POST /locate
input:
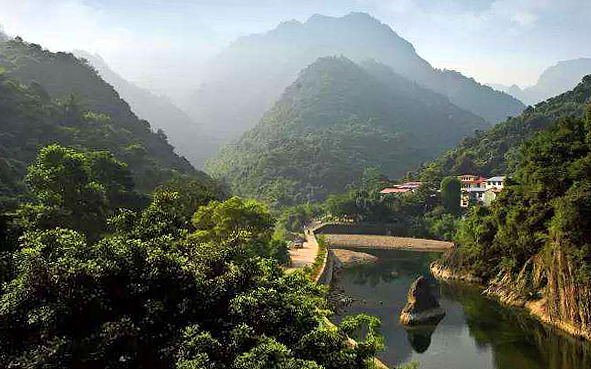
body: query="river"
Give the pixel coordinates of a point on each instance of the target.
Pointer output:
(476, 333)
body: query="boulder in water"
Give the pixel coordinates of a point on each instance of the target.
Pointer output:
(422, 306)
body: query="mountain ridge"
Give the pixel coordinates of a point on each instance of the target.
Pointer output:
(333, 121)
(495, 151)
(253, 71)
(51, 98)
(159, 110)
(560, 77)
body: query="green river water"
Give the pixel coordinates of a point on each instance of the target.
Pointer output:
(476, 333)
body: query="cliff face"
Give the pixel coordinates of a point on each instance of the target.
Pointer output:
(546, 286)
(568, 302)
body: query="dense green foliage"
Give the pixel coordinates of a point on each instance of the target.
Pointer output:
(77, 190)
(158, 291)
(245, 222)
(534, 241)
(413, 214)
(450, 195)
(546, 205)
(491, 152)
(48, 98)
(335, 120)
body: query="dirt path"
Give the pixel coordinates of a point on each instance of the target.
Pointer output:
(306, 255)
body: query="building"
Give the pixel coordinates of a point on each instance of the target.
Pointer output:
(480, 190)
(470, 181)
(496, 182)
(467, 177)
(389, 190)
(402, 188)
(472, 194)
(494, 185)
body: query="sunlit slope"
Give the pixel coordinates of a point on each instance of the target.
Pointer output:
(183, 133)
(491, 152)
(335, 120)
(51, 98)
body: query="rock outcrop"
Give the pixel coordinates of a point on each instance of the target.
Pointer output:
(422, 306)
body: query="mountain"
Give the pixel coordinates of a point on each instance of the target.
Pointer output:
(494, 151)
(335, 120)
(250, 75)
(162, 113)
(554, 80)
(49, 98)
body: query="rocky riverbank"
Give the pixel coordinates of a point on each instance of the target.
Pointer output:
(347, 258)
(504, 289)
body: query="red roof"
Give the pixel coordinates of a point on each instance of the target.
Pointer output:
(395, 190)
(413, 184)
(479, 180)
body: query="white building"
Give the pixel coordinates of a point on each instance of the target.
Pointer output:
(496, 182)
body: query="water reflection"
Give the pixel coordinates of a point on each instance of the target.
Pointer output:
(517, 340)
(477, 333)
(419, 337)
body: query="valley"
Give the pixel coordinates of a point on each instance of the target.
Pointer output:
(334, 191)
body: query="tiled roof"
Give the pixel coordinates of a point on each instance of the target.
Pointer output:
(416, 183)
(496, 179)
(395, 190)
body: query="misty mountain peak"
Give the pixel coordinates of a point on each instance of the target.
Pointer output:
(265, 64)
(359, 17)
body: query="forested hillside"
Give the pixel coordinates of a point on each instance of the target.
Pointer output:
(533, 242)
(51, 98)
(335, 120)
(265, 64)
(183, 133)
(492, 152)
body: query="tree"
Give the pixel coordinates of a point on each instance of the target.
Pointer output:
(373, 179)
(233, 219)
(61, 182)
(77, 190)
(237, 221)
(451, 195)
(192, 193)
(168, 301)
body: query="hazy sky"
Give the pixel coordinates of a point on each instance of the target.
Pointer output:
(162, 43)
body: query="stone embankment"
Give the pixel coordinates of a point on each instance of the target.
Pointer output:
(386, 242)
(505, 294)
(441, 272)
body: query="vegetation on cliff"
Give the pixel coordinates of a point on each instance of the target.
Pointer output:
(534, 240)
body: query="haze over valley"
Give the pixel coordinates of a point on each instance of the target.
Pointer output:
(352, 184)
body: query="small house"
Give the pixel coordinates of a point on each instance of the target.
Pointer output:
(496, 182)
(472, 195)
